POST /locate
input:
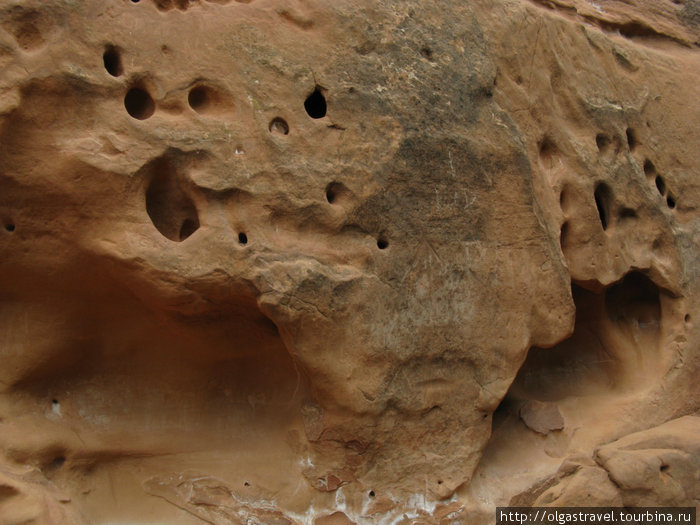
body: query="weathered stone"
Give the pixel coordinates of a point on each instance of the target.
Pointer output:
(275, 261)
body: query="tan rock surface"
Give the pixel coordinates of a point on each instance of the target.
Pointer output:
(302, 261)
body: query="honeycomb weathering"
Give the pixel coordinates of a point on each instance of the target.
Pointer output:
(347, 262)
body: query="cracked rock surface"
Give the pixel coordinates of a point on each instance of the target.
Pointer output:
(346, 262)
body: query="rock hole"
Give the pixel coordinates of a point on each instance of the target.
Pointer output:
(631, 139)
(427, 52)
(135, 1)
(663, 468)
(113, 61)
(602, 141)
(649, 168)
(246, 484)
(660, 184)
(315, 104)
(55, 407)
(371, 494)
(687, 318)
(171, 210)
(242, 238)
(139, 104)
(382, 243)
(603, 199)
(335, 191)
(10, 227)
(199, 99)
(279, 126)
(670, 202)
(439, 482)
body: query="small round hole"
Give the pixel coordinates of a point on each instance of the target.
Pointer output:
(439, 482)
(631, 138)
(427, 52)
(382, 243)
(279, 126)
(246, 484)
(242, 238)
(687, 318)
(670, 202)
(333, 191)
(135, 1)
(10, 227)
(371, 493)
(199, 98)
(113, 61)
(315, 104)
(139, 104)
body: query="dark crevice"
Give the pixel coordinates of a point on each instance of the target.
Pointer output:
(660, 184)
(603, 201)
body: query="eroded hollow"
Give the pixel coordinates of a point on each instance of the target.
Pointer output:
(113, 61)
(168, 204)
(315, 104)
(614, 346)
(649, 168)
(206, 99)
(603, 201)
(139, 103)
(279, 126)
(336, 191)
(602, 142)
(634, 301)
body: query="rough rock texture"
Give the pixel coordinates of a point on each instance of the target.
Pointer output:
(346, 262)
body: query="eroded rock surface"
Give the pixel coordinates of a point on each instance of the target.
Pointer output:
(346, 262)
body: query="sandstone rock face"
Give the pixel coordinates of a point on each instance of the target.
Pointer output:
(346, 262)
